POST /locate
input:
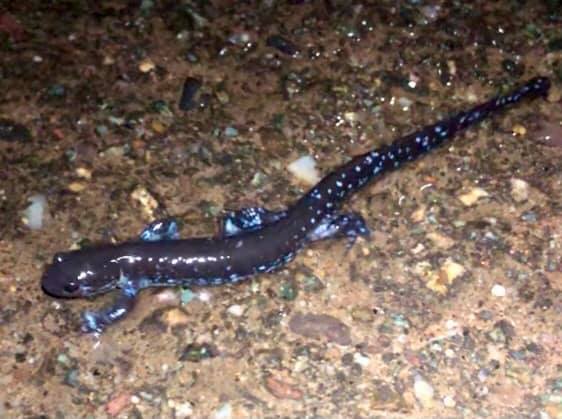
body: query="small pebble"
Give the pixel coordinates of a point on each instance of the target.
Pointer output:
(304, 169)
(361, 359)
(223, 412)
(101, 130)
(320, 326)
(351, 116)
(449, 401)
(431, 12)
(147, 201)
(230, 132)
(519, 129)
(235, 310)
(519, 190)
(529, 216)
(146, 65)
(76, 187)
(115, 152)
(189, 92)
(452, 324)
(84, 173)
(362, 314)
(440, 280)
(183, 410)
(158, 127)
(34, 213)
(498, 290)
(417, 249)
(176, 317)
(204, 296)
(281, 389)
(186, 295)
(472, 196)
(404, 103)
(423, 391)
(441, 240)
(118, 404)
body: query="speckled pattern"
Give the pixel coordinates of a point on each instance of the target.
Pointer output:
(450, 309)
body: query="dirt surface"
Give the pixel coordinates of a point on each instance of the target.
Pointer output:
(452, 309)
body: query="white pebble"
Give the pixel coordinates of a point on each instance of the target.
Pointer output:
(451, 324)
(361, 359)
(34, 213)
(167, 296)
(235, 310)
(519, 190)
(449, 401)
(304, 169)
(423, 391)
(183, 410)
(498, 290)
(223, 412)
(204, 296)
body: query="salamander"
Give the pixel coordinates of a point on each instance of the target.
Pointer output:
(252, 240)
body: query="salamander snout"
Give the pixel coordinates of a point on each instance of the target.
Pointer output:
(58, 283)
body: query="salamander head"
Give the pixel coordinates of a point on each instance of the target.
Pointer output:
(73, 275)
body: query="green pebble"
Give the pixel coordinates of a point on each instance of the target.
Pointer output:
(288, 291)
(186, 296)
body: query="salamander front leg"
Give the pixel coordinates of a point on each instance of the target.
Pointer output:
(165, 229)
(97, 321)
(350, 225)
(248, 219)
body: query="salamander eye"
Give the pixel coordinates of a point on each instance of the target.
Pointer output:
(58, 257)
(71, 287)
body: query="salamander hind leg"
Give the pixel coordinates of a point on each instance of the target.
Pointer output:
(97, 321)
(350, 225)
(248, 219)
(165, 229)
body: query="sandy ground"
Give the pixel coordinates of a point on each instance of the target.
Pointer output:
(452, 309)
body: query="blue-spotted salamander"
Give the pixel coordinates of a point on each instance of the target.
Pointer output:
(252, 240)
